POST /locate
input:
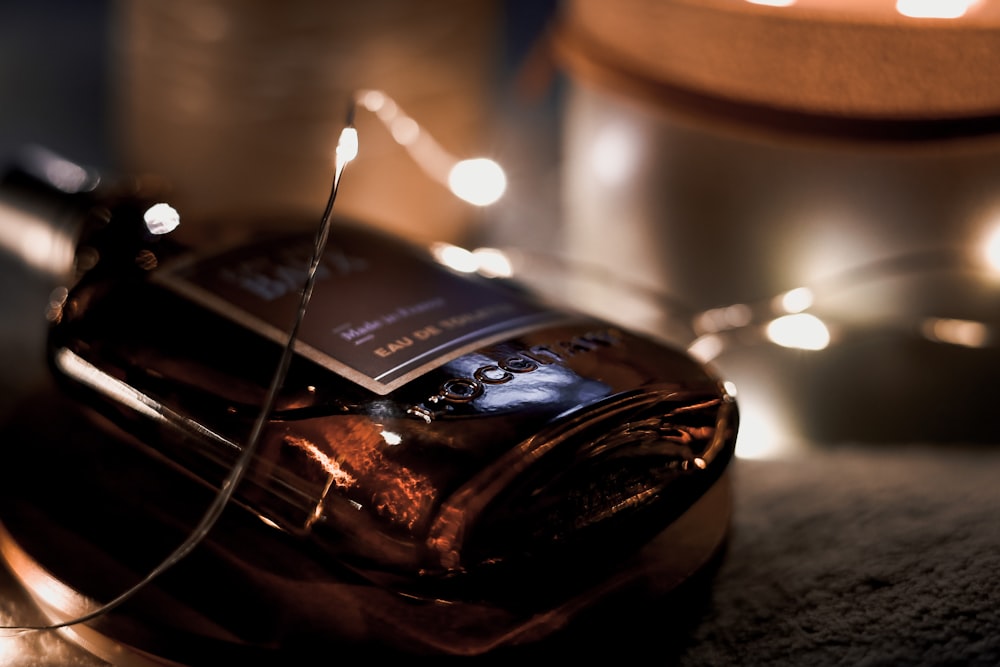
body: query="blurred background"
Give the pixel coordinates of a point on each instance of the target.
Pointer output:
(238, 104)
(804, 194)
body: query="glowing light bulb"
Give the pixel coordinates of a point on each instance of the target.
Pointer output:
(455, 257)
(161, 219)
(706, 348)
(372, 100)
(965, 333)
(730, 388)
(801, 331)
(934, 9)
(404, 130)
(493, 263)
(68, 177)
(991, 250)
(615, 154)
(773, 3)
(347, 147)
(796, 300)
(764, 433)
(479, 181)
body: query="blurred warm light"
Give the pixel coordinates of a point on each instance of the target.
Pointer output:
(490, 262)
(966, 333)
(614, 153)
(934, 9)
(737, 315)
(370, 100)
(54, 309)
(34, 241)
(455, 257)
(925, 9)
(733, 316)
(801, 331)
(706, 348)
(60, 172)
(161, 219)
(493, 263)
(404, 130)
(377, 102)
(730, 388)
(763, 433)
(796, 300)
(991, 249)
(478, 181)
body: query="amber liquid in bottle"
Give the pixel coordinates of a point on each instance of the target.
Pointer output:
(446, 436)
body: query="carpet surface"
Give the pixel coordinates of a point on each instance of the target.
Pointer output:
(859, 556)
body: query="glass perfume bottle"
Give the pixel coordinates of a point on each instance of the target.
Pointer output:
(453, 441)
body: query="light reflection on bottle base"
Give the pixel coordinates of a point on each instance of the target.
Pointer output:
(56, 602)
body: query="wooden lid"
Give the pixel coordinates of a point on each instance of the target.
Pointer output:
(851, 60)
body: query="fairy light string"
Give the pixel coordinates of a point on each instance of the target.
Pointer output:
(478, 181)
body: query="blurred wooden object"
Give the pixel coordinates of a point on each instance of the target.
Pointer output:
(852, 58)
(238, 103)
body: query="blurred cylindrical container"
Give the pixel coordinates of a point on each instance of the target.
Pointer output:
(731, 150)
(724, 152)
(238, 104)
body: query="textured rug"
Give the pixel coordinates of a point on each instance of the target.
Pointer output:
(855, 556)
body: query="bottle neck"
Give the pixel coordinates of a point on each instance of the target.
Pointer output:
(40, 222)
(64, 221)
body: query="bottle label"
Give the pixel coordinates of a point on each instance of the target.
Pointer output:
(380, 313)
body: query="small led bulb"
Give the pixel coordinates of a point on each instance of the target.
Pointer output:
(478, 181)
(161, 219)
